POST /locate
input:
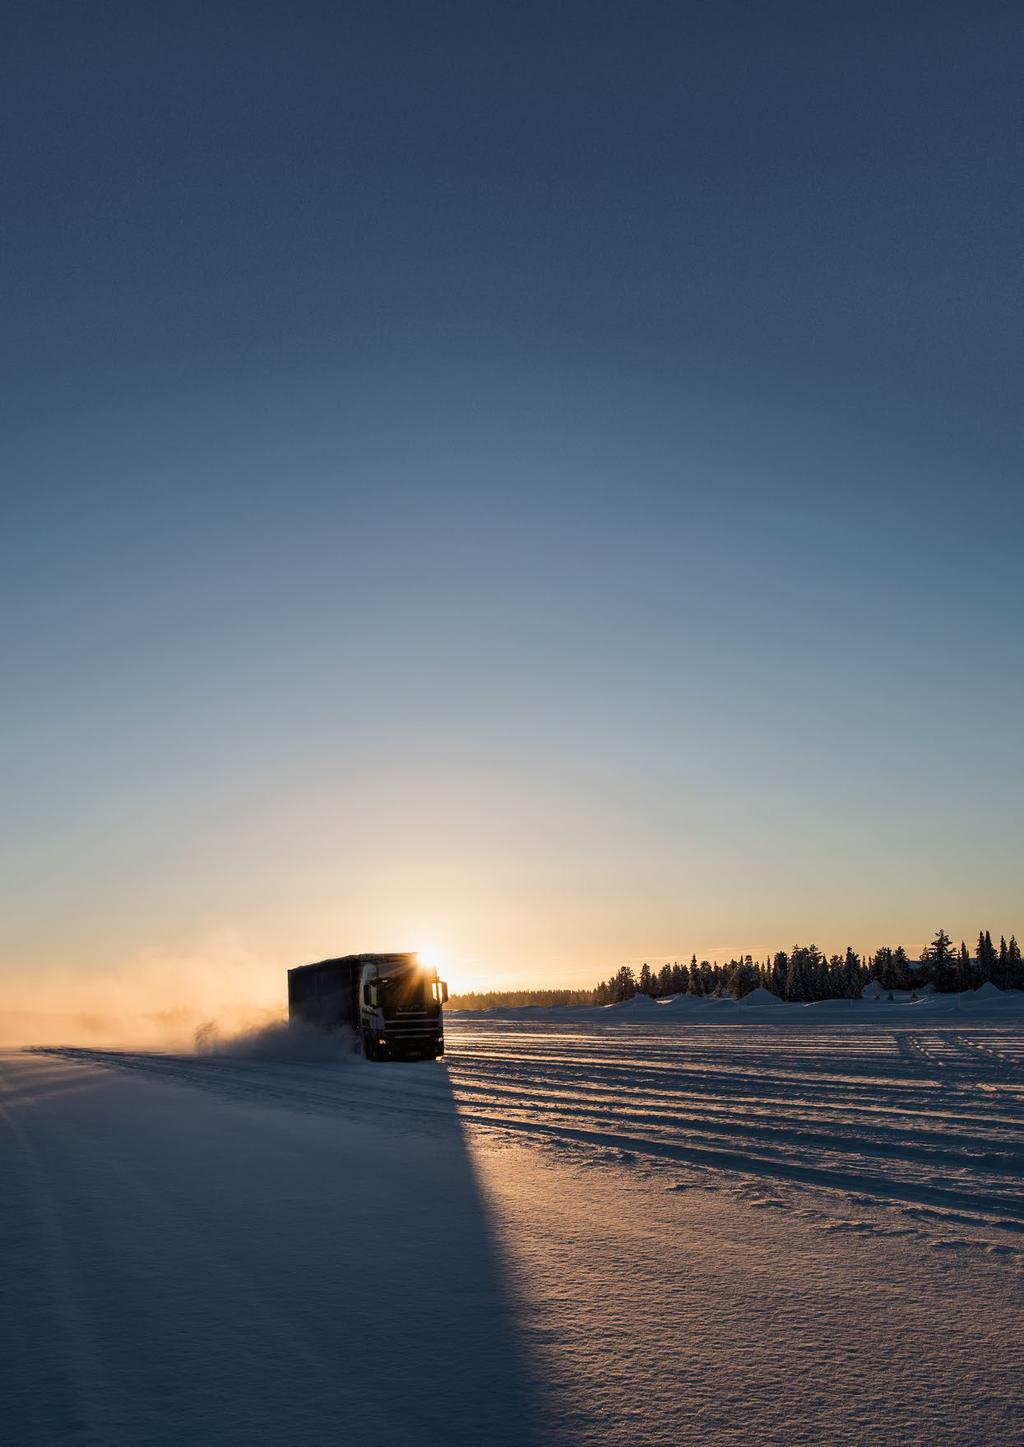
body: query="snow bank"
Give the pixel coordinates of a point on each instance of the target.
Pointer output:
(639, 1005)
(688, 1002)
(687, 1009)
(760, 997)
(987, 991)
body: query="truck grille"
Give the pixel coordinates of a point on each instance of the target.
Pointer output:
(412, 1025)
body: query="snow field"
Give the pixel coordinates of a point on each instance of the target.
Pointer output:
(628, 1231)
(183, 1266)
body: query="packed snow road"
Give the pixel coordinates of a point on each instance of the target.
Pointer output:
(568, 1232)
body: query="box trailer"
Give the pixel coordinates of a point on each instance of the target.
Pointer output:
(392, 1003)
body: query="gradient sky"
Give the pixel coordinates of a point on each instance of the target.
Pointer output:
(540, 480)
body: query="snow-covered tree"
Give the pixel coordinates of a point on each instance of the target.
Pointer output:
(624, 984)
(883, 968)
(1001, 974)
(779, 974)
(806, 963)
(901, 966)
(940, 957)
(852, 976)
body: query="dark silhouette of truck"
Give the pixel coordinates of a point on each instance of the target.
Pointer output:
(391, 1002)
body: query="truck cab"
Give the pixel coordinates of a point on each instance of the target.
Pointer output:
(400, 1011)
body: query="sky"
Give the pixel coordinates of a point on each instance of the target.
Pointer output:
(537, 482)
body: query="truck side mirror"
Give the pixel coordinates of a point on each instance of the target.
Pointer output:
(444, 993)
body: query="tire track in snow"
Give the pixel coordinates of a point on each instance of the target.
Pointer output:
(986, 1053)
(876, 1140)
(1006, 1212)
(765, 1092)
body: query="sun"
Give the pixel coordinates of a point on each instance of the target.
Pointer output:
(431, 956)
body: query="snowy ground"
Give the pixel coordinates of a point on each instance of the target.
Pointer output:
(627, 1229)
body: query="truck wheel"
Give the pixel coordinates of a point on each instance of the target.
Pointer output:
(369, 1047)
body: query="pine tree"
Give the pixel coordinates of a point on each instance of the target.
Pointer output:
(990, 957)
(852, 975)
(1016, 981)
(884, 970)
(796, 977)
(741, 980)
(941, 959)
(901, 967)
(832, 979)
(963, 972)
(624, 984)
(779, 973)
(804, 974)
(1001, 974)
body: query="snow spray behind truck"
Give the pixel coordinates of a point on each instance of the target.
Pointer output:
(392, 1002)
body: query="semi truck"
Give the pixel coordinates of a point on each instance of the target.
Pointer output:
(391, 1002)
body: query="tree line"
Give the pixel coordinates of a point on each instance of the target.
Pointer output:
(515, 999)
(804, 973)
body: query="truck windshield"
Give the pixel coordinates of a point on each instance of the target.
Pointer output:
(405, 992)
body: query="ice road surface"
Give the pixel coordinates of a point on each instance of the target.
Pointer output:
(574, 1230)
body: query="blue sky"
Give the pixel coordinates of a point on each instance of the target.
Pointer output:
(539, 481)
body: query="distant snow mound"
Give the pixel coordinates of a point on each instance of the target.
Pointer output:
(760, 996)
(280, 1040)
(639, 1004)
(987, 991)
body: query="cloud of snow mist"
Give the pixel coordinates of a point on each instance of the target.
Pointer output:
(278, 1040)
(157, 999)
